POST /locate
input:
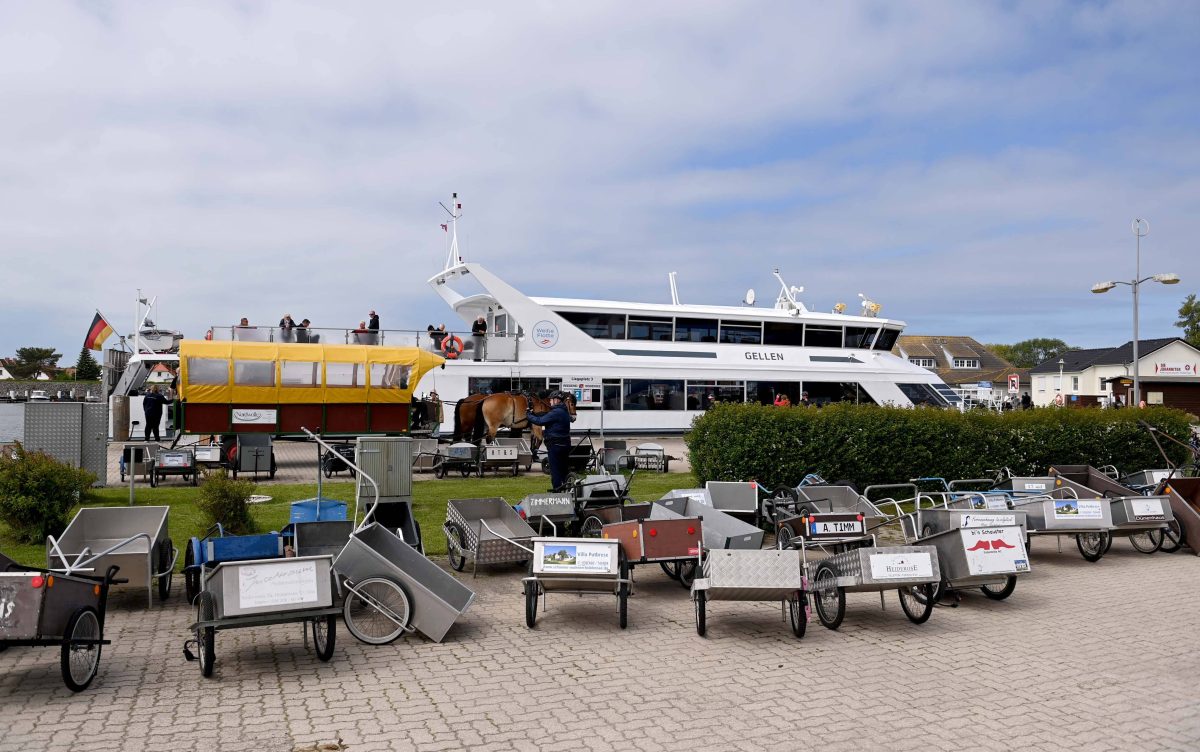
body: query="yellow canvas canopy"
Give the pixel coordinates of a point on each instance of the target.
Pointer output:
(279, 373)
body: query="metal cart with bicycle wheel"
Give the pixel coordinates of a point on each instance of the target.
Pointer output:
(584, 566)
(132, 538)
(41, 608)
(485, 531)
(745, 575)
(174, 462)
(674, 544)
(1052, 508)
(975, 549)
(462, 457)
(1138, 517)
(239, 594)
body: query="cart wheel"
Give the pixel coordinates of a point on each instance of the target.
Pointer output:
(797, 616)
(1000, 593)
(1146, 542)
(698, 599)
(591, 527)
(531, 601)
(456, 544)
(166, 561)
(439, 470)
(324, 634)
(328, 469)
(1107, 542)
(154, 479)
(831, 599)
(191, 575)
(916, 601)
(81, 649)
(687, 574)
(783, 538)
(671, 569)
(1172, 538)
(376, 611)
(1091, 545)
(206, 637)
(465, 470)
(623, 601)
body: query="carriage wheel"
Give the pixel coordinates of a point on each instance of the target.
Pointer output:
(465, 469)
(687, 574)
(456, 544)
(698, 599)
(783, 538)
(797, 615)
(1002, 592)
(191, 574)
(1091, 545)
(166, 561)
(1146, 541)
(916, 601)
(670, 569)
(439, 470)
(324, 634)
(591, 527)
(206, 637)
(81, 649)
(376, 611)
(831, 599)
(531, 601)
(1172, 538)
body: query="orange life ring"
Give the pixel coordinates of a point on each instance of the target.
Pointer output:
(452, 346)
(1060, 400)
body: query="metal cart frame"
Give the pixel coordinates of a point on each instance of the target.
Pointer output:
(577, 565)
(135, 539)
(485, 531)
(753, 575)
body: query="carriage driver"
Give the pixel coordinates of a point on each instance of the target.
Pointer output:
(556, 432)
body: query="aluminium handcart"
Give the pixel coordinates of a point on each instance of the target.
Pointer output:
(753, 575)
(134, 539)
(486, 531)
(577, 565)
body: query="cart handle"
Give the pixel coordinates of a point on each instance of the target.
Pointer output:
(498, 535)
(171, 567)
(553, 527)
(361, 472)
(217, 528)
(866, 493)
(79, 565)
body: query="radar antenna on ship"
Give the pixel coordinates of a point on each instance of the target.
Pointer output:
(453, 256)
(787, 300)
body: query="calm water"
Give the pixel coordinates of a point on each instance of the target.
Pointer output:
(12, 422)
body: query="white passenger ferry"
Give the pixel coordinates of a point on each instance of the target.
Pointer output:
(651, 367)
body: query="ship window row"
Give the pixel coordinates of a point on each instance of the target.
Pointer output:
(680, 394)
(296, 373)
(682, 329)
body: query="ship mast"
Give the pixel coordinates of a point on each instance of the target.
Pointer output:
(453, 255)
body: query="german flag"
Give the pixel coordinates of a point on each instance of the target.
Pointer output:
(97, 333)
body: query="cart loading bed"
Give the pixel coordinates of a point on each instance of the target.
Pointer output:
(674, 544)
(975, 549)
(40, 608)
(1136, 516)
(1053, 508)
(132, 538)
(753, 575)
(486, 531)
(584, 566)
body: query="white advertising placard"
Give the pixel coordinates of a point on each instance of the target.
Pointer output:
(255, 417)
(901, 566)
(1147, 509)
(575, 557)
(1035, 486)
(277, 584)
(994, 550)
(987, 519)
(1078, 509)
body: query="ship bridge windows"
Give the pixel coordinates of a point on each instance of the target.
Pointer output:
(783, 333)
(741, 334)
(860, 337)
(597, 325)
(822, 336)
(652, 328)
(695, 330)
(887, 339)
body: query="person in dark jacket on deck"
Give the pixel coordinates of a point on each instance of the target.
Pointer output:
(556, 434)
(152, 406)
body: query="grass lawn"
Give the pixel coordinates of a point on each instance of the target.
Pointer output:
(429, 503)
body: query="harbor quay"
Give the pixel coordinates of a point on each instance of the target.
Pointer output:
(1083, 657)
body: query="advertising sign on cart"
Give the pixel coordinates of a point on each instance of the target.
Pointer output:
(1148, 509)
(277, 584)
(994, 550)
(576, 558)
(905, 566)
(1078, 509)
(988, 520)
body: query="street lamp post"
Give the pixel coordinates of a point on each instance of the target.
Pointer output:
(1141, 228)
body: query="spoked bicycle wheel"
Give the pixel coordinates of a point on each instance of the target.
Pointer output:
(1091, 545)
(376, 611)
(1146, 541)
(916, 601)
(999, 593)
(1172, 537)
(81, 649)
(830, 599)
(324, 634)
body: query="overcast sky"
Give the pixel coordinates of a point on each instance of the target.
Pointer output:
(974, 167)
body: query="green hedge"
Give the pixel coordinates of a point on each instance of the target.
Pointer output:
(870, 444)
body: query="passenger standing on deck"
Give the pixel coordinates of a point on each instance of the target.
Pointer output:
(479, 337)
(373, 321)
(152, 407)
(302, 331)
(287, 328)
(804, 401)
(556, 434)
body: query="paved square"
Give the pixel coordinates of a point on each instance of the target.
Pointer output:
(1083, 657)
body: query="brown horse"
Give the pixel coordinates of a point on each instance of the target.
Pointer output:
(504, 410)
(465, 413)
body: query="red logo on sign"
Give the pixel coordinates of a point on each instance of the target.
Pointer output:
(999, 543)
(981, 546)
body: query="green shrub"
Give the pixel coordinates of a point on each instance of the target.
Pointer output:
(871, 444)
(36, 493)
(225, 500)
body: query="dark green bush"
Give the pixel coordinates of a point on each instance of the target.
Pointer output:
(36, 493)
(870, 444)
(225, 500)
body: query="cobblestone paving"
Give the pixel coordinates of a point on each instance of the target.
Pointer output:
(1082, 657)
